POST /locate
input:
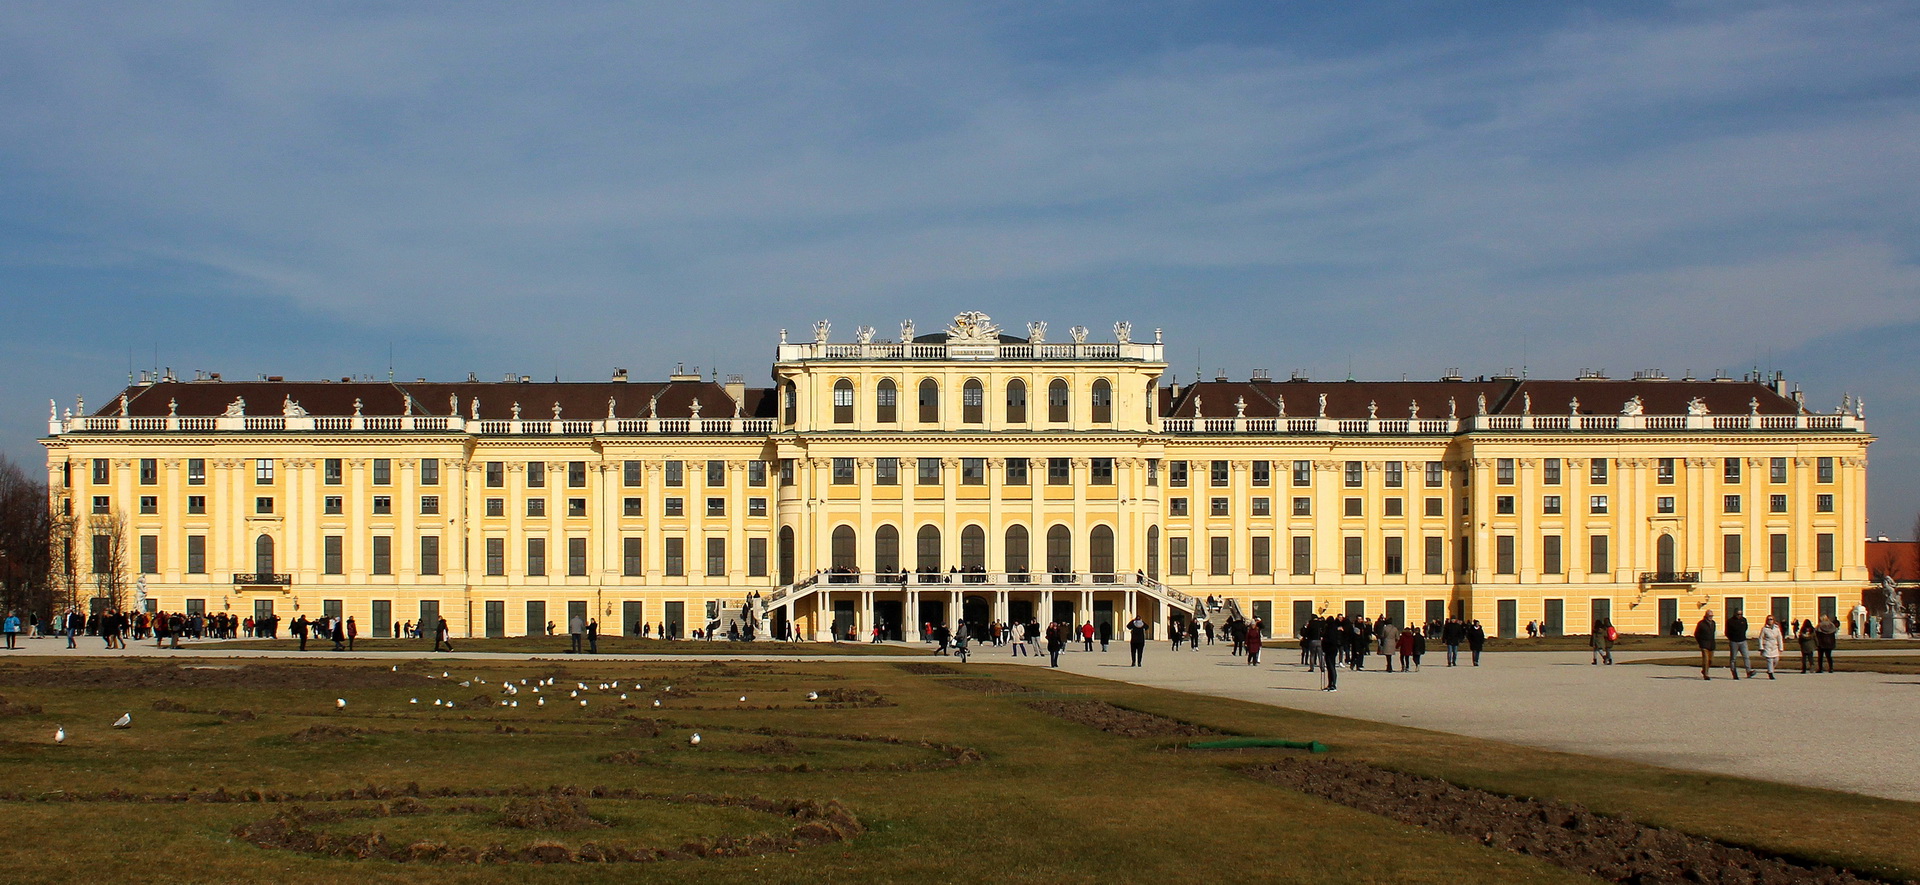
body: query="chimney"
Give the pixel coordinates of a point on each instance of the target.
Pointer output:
(620, 375)
(737, 389)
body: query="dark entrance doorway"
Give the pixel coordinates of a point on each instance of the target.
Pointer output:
(932, 615)
(888, 615)
(1103, 618)
(1063, 613)
(1019, 611)
(976, 611)
(842, 618)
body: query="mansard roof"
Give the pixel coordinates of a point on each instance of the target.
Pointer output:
(1440, 399)
(583, 400)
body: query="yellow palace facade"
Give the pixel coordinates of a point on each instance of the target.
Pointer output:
(967, 474)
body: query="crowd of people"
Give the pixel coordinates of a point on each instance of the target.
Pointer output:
(1816, 643)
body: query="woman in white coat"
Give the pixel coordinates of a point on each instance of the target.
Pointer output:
(1772, 642)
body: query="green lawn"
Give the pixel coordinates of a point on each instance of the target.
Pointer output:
(948, 784)
(609, 645)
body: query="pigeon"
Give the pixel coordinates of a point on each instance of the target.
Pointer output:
(813, 696)
(340, 703)
(59, 734)
(695, 740)
(125, 720)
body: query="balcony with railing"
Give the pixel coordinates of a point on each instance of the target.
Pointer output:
(262, 579)
(887, 351)
(1669, 579)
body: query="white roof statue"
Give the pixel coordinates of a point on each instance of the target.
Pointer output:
(1413, 410)
(863, 334)
(1037, 332)
(820, 330)
(1079, 334)
(1373, 409)
(1196, 407)
(237, 408)
(973, 327)
(473, 408)
(906, 331)
(1323, 405)
(1123, 332)
(290, 408)
(1696, 406)
(1240, 407)
(1281, 401)
(453, 404)
(1526, 404)
(556, 410)
(694, 407)
(1634, 407)
(1482, 405)
(609, 408)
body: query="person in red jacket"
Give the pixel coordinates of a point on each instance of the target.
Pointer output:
(1086, 636)
(1253, 643)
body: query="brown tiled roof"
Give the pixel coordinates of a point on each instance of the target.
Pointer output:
(1656, 397)
(1345, 399)
(584, 400)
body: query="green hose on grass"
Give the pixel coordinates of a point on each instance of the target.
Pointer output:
(1247, 743)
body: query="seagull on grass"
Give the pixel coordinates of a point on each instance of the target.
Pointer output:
(340, 703)
(125, 720)
(695, 740)
(59, 734)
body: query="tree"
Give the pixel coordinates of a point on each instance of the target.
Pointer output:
(107, 539)
(26, 554)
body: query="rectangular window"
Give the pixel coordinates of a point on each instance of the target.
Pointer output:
(1355, 556)
(756, 557)
(630, 506)
(496, 474)
(1776, 553)
(1220, 557)
(1263, 507)
(196, 505)
(429, 505)
(929, 471)
(536, 507)
(1177, 556)
(757, 474)
(1776, 503)
(332, 555)
(1597, 470)
(383, 554)
(1395, 560)
(756, 507)
(1550, 471)
(149, 471)
(149, 503)
(263, 470)
(676, 557)
(331, 471)
(1597, 504)
(1302, 474)
(1176, 506)
(716, 556)
(196, 554)
(383, 505)
(1353, 507)
(1436, 556)
(1219, 507)
(1303, 507)
(429, 554)
(1730, 469)
(1016, 471)
(1503, 505)
(1663, 504)
(496, 557)
(1059, 472)
(333, 505)
(675, 506)
(101, 475)
(1354, 474)
(1177, 474)
(1503, 471)
(383, 471)
(496, 507)
(1218, 474)
(1503, 554)
(1434, 476)
(149, 554)
(632, 551)
(1262, 555)
(886, 471)
(1302, 555)
(1153, 471)
(1436, 507)
(1550, 505)
(196, 471)
(263, 505)
(536, 474)
(1823, 471)
(842, 471)
(1663, 471)
(576, 507)
(1777, 470)
(1730, 554)
(716, 507)
(577, 557)
(102, 554)
(1599, 562)
(1395, 506)
(675, 474)
(716, 474)
(1262, 474)
(1823, 552)
(1394, 474)
(1101, 472)
(973, 471)
(1550, 554)
(429, 471)
(576, 474)
(786, 472)
(630, 473)
(536, 557)
(1730, 503)
(1823, 503)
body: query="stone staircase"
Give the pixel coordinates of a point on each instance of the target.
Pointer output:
(731, 619)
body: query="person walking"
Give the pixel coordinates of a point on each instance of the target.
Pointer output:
(1332, 638)
(1476, 640)
(1772, 642)
(1826, 637)
(1137, 641)
(1405, 645)
(353, 632)
(576, 628)
(12, 629)
(1706, 634)
(1390, 644)
(1056, 642)
(1737, 644)
(1451, 635)
(593, 636)
(442, 637)
(1086, 636)
(1803, 636)
(1602, 641)
(1253, 643)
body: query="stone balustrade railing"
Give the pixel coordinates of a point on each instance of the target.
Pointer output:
(1395, 426)
(1111, 351)
(412, 424)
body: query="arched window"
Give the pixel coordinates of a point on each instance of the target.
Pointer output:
(1100, 554)
(1153, 552)
(1016, 402)
(786, 555)
(846, 559)
(973, 400)
(791, 395)
(1017, 552)
(1058, 403)
(973, 550)
(927, 550)
(263, 554)
(884, 398)
(1102, 402)
(1665, 555)
(929, 402)
(1060, 552)
(886, 550)
(843, 401)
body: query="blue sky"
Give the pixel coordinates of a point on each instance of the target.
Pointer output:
(299, 189)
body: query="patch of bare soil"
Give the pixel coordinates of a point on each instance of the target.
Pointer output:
(1119, 720)
(1614, 849)
(169, 705)
(921, 669)
(314, 734)
(10, 709)
(643, 728)
(548, 813)
(141, 674)
(853, 697)
(986, 686)
(775, 747)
